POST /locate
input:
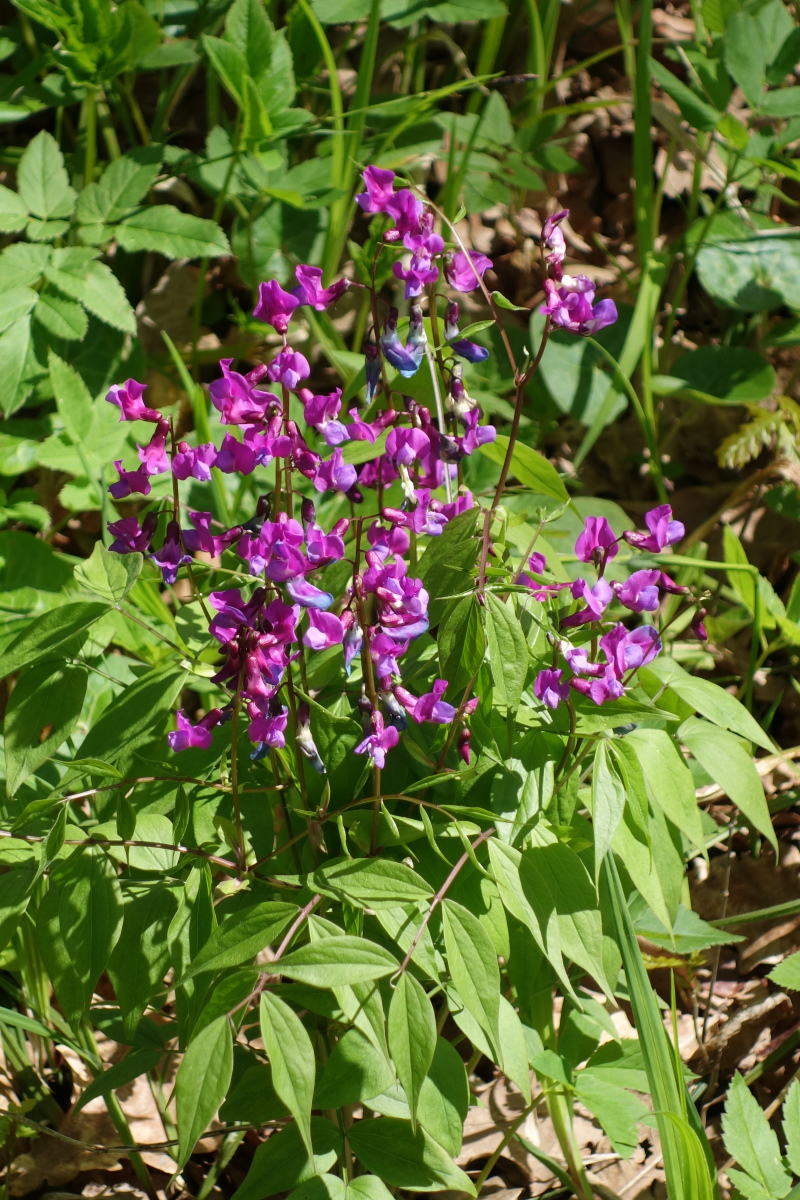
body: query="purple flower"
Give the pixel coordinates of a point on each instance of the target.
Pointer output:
(267, 729)
(607, 687)
(379, 185)
(288, 368)
(305, 742)
(385, 651)
(597, 544)
(188, 735)
(310, 289)
(404, 446)
(385, 541)
(379, 742)
(406, 211)
(426, 240)
(431, 707)
(237, 399)
(464, 271)
(201, 537)
(353, 639)
(475, 435)
(596, 599)
(275, 306)
(537, 563)
(570, 305)
(663, 531)
(553, 242)
(372, 370)
(639, 592)
(195, 462)
(171, 556)
(128, 399)
(233, 611)
(335, 473)
(578, 660)
(130, 482)
(549, 688)
(697, 626)
(153, 456)
(129, 537)
(235, 457)
(303, 592)
(324, 630)
(627, 651)
(405, 359)
(419, 273)
(322, 412)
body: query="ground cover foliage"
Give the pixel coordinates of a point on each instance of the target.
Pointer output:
(280, 912)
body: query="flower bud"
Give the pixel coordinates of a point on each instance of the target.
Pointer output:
(463, 744)
(305, 742)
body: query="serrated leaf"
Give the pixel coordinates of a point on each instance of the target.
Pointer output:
(791, 1126)
(62, 318)
(75, 272)
(291, 1057)
(15, 303)
(166, 230)
(72, 398)
(42, 179)
(787, 973)
(752, 1142)
(412, 1037)
(13, 213)
(123, 185)
(202, 1082)
(14, 348)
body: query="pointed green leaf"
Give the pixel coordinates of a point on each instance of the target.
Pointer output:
(42, 179)
(401, 1158)
(473, 967)
(291, 1057)
(42, 712)
(202, 1082)
(724, 758)
(412, 1037)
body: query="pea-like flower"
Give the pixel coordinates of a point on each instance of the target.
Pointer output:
(379, 742)
(550, 688)
(275, 306)
(198, 736)
(464, 270)
(597, 544)
(128, 399)
(310, 291)
(664, 531)
(570, 305)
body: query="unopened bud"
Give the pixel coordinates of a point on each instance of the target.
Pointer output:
(698, 627)
(304, 740)
(463, 744)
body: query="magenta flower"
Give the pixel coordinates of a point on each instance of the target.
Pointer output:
(380, 185)
(475, 435)
(233, 612)
(606, 687)
(385, 651)
(553, 241)
(639, 592)
(335, 474)
(549, 688)
(379, 742)
(275, 306)
(419, 273)
(406, 211)
(128, 399)
(129, 537)
(627, 651)
(404, 446)
(237, 399)
(235, 457)
(303, 592)
(385, 541)
(153, 456)
(324, 630)
(288, 368)
(267, 729)
(464, 271)
(171, 557)
(198, 736)
(310, 291)
(663, 531)
(201, 537)
(470, 351)
(195, 462)
(597, 544)
(431, 707)
(130, 482)
(570, 305)
(596, 599)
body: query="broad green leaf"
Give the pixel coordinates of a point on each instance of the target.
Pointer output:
(253, 1099)
(42, 179)
(723, 757)
(753, 1143)
(137, 1063)
(652, 856)
(75, 272)
(670, 783)
(446, 568)
(15, 344)
(281, 1163)
(367, 1187)
(412, 1037)
(241, 936)
(42, 712)
(711, 701)
(719, 375)
(166, 230)
(122, 186)
(791, 1126)
(616, 1109)
(291, 1057)
(787, 973)
(230, 65)
(134, 718)
(758, 274)
(202, 1082)
(15, 892)
(48, 632)
(530, 467)
(462, 643)
(388, 1148)
(23, 264)
(248, 28)
(608, 803)
(355, 1073)
(62, 318)
(72, 398)
(13, 213)
(472, 960)
(371, 883)
(141, 957)
(338, 962)
(15, 303)
(508, 651)
(444, 1098)
(513, 1049)
(108, 575)
(319, 1187)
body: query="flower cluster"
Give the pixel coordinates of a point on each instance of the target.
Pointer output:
(569, 300)
(623, 650)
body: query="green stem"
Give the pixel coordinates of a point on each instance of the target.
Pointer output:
(90, 134)
(230, 1144)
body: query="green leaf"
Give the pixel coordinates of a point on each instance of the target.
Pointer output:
(137, 1063)
(719, 375)
(247, 27)
(753, 1143)
(319, 1187)
(616, 1109)
(791, 1126)
(787, 973)
(405, 1159)
(670, 783)
(759, 274)
(42, 712)
(447, 565)
(508, 651)
(355, 1072)
(462, 642)
(13, 213)
(371, 883)
(72, 398)
(722, 756)
(338, 962)
(412, 1037)
(15, 892)
(48, 632)
(134, 719)
(61, 317)
(444, 1098)
(281, 1162)
(608, 803)
(695, 110)
(75, 272)
(137, 977)
(42, 179)
(230, 65)
(166, 230)
(15, 303)
(203, 1079)
(367, 1187)
(472, 960)
(23, 264)
(108, 575)
(711, 701)
(14, 349)
(291, 1057)
(530, 467)
(241, 936)
(123, 185)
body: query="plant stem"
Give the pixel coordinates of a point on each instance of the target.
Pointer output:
(90, 134)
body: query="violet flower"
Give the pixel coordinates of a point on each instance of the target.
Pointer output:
(596, 599)
(335, 474)
(201, 538)
(197, 736)
(570, 305)
(129, 537)
(464, 271)
(324, 630)
(303, 592)
(128, 399)
(553, 241)
(153, 456)
(236, 398)
(233, 611)
(419, 273)
(310, 291)
(379, 742)
(353, 640)
(288, 367)
(235, 457)
(597, 544)
(663, 531)
(639, 592)
(549, 687)
(405, 359)
(380, 185)
(195, 462)
(171, 557)
(267, 729)
(130, 482)
(372, 370)
(406, 211)
(275, 306)
(431, 707)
